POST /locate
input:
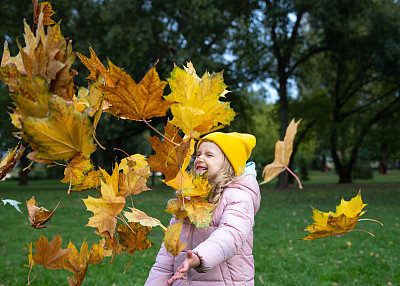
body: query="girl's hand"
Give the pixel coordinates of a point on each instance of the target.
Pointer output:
(192, 260)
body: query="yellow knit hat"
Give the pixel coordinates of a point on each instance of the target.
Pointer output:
(236, 147)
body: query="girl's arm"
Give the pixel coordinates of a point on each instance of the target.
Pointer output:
(235, 225)
(163, 268)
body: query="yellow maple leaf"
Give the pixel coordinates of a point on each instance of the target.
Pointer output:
(283, 151)
(46, 56)
(98, 252)
(136, 215)
(192, 199)
(105, 209)
(47, 10)
(29, 108)
(95, 67)
(92, 180)
(134, 162)
(342, 221)
(196, 107)
(113, 179)
(76, 169)
(134, 101)
(9, 160)
(177, 207)
(62, 135)
(172, 155)
(172, 242)
(136, 171)
(77, 263)
(31, 263)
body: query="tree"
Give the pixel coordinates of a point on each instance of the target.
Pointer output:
(272, 44)
(160, 31)
(358, 75)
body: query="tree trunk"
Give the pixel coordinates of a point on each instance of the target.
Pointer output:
(23, 174)
(383, 161)
(323, 166)
(345, 175)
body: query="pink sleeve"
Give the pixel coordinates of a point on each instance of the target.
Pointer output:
(163, 268)
(234, 228)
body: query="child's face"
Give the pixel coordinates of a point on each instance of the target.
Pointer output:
(210, 159)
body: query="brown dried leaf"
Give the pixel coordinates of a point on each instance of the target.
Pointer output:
(50, 255)
(38, 216)
(9, 160)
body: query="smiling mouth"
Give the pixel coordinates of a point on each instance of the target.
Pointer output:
(201, 169)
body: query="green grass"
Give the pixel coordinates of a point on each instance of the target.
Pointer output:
(355, 258)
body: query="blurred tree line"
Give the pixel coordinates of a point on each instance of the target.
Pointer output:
(335, 64)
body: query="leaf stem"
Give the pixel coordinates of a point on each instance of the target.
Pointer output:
(361, 219)
(294, 175)
(117, 149)
(95, 139)
(362, 230)
(29, 282)
(125, 222)
(158, 132)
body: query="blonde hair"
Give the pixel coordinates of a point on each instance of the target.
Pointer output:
(224, 178)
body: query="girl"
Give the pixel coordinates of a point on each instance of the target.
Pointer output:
(222, 253)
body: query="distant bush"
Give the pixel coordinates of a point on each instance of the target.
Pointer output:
(362, 170)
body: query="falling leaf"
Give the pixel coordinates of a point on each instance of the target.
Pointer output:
(133, 180)
(98, 252)
(138, 216)
(50, 255)
(45, 58)
(10, 159)
(134, 101)
(62, 135)
(283, 151)
(170, 158)
(47, 10)
(76, 169)
(95, 67)
(133, 238)
(31, 263)
(105, 209)
(134, 162)
(112, 180)
(14, 203)
(92, 181)
(176, 207)
(342, 221)
(192, 200)
(196, 107)
(92, 98)
(199, 213)
(172, 241)
(77, 263)
(38, 216)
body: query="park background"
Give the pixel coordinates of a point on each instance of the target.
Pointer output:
(334, 64)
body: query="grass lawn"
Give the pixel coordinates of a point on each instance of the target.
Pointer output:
(355, 258)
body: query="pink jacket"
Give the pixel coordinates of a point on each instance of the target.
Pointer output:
(225, 247)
